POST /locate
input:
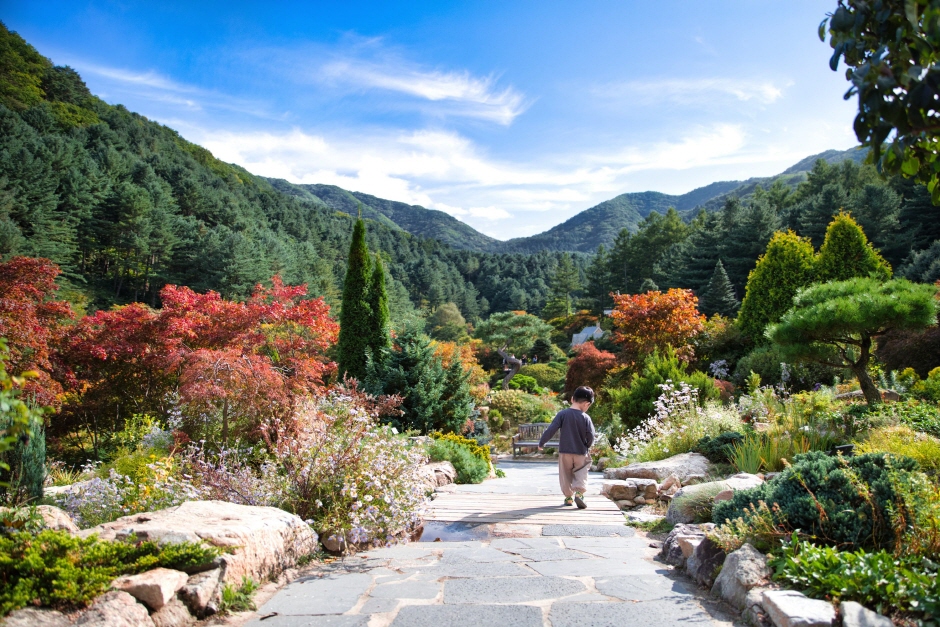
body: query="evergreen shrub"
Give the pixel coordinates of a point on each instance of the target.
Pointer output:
(550, 375)
(470, 468)
(478, 450)
(766, 361)
(720, 448)
(518, 407)
(525, 383)
(57, 569)
(839, 501)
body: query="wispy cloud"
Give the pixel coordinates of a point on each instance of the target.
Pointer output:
(477, 97)
(691, 91)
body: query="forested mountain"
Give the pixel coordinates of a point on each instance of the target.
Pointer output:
(581, 233)
(125, 205)
(412, 218)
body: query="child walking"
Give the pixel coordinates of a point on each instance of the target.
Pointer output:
(574, 445)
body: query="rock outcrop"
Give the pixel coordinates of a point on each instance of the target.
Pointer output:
(264, 541)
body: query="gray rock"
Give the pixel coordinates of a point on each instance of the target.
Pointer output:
(789, 608)
(855, 615)
(154, 587)
(173, 614)
(743, 569)
(681, 466)
(115, 609)
(619, 490)
(704, 563)
(671, 552)
(686, 502)
(625, 504)
(688, 544)
(32, 617)
(754, 613)
(202, 593)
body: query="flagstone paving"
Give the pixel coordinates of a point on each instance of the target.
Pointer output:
(577, 575)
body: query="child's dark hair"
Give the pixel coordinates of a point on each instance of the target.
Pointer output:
(583, 393)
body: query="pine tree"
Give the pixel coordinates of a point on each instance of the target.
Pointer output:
(718, 297)
(846, 253)
(355, 317)
(378, 308)
(599, 281)
(567, 280)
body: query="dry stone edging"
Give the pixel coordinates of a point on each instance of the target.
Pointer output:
(743, 570)
(789, 608)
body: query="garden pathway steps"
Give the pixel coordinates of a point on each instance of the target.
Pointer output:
(581, 570)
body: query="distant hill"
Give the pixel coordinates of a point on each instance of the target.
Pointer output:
(411, 218)
(580, 233)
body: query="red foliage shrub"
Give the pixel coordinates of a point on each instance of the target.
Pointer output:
(589, 367)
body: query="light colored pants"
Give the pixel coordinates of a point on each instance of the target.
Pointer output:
(573, 472)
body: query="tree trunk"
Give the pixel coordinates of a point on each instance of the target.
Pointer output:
(514, 365)
(860, 370)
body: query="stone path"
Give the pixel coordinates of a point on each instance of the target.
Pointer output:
(557, 574)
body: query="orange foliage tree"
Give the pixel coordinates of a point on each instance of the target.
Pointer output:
(654, 320)
(244, 361)
(30, 320)
(466, 354)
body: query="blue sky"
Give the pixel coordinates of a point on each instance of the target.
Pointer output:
(511, 116)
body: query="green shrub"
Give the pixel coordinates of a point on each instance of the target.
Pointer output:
(766, 361)
(518, 407)
(480, 451)
(697, 505)
(27, 464)
(57, 569)
(718, 449)
(550, 375)
(495, 418)
(877, 580)
(470, 468)
(904, 441)
(929, 388)
(843, 502)
(524, 383)
(635, 403)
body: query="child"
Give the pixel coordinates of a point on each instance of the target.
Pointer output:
(577, 436)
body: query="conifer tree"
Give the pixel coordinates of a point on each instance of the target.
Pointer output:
(719, 296)
(846, 253)
(567, 280)
(787, 266)
(355, 317)
(378, 308)
(648, 285)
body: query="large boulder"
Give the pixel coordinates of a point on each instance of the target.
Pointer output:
(115, 609)
(743, 569)
(264, 541)
(438, 474)
(681, 466)
(53, 518)
(685, 503)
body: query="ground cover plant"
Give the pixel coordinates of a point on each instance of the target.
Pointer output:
(57, 569)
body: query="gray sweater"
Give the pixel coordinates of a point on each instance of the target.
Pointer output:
(577, 432)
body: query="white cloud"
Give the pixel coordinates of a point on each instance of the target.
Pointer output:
(691, 91)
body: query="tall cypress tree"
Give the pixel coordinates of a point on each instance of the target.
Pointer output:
(719, 296)
(355, 318)
(378, 308)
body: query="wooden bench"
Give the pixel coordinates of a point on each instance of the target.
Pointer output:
(529, 436)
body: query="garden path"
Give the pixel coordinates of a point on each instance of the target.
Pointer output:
(514, 572)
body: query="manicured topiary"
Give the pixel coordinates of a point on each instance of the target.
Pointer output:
(833, 500)
(846, 253)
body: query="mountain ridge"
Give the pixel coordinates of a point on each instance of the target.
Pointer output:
(582, 232)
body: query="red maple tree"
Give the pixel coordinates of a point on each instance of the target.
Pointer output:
(589, 367)
(30, 320)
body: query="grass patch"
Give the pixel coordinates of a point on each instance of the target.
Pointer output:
(238, 599)
(651, 526)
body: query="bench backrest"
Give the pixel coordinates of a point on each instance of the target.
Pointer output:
(533, 432)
